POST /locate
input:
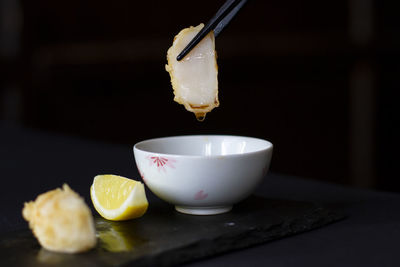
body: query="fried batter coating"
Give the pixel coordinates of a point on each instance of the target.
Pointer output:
(194, 78)
(61, 221)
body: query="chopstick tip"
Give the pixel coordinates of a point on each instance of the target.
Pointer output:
(179, 57)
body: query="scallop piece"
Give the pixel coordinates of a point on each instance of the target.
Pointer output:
(61, 221)
(195, 78)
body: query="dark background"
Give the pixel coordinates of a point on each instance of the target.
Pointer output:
(316, 78)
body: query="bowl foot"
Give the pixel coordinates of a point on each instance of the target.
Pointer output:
(203, 210)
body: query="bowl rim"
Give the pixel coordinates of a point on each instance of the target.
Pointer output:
(268, 143)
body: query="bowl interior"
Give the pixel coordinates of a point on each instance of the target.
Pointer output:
(204, 145)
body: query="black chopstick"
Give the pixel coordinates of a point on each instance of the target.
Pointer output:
(217, 23)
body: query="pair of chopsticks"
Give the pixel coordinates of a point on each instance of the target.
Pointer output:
(216, 24)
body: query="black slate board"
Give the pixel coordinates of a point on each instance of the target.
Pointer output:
(164, 237)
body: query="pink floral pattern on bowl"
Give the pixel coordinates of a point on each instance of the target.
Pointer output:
(200, 195)
(161, 162)
(142, 176)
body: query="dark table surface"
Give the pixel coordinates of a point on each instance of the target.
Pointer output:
(32, 162)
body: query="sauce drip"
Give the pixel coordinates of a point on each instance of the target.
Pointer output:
(200, 116)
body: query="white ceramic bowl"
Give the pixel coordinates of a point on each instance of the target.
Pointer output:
(203, 174)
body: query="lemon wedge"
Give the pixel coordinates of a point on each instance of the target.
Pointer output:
(118, 198)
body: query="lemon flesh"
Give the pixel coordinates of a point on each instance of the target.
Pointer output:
(118, 198)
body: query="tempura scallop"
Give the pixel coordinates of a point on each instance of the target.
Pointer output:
(61, 221)
(194, 78)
